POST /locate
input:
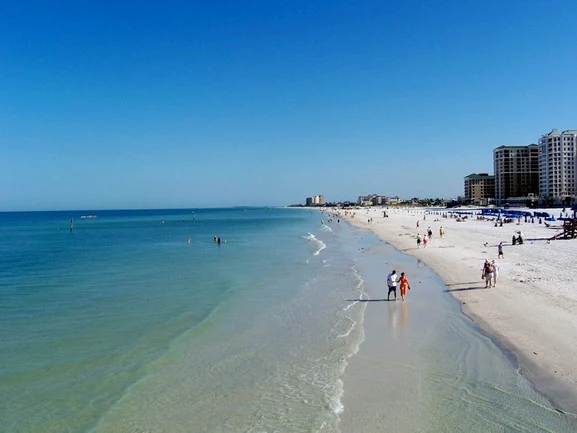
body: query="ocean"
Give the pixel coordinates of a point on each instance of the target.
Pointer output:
(139, 321)
(123, 325)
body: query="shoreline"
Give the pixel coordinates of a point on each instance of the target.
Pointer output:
(526, 314)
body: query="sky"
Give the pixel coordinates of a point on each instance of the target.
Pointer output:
(188, 104)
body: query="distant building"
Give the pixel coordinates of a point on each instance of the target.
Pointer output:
(480, 188)
(315, 200)
(557, 165)
(372, 200)
(364, 200)
(516, 173)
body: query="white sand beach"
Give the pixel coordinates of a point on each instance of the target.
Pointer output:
(532, 310)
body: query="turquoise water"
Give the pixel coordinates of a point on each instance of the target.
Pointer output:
(123, 315)
(124, 326)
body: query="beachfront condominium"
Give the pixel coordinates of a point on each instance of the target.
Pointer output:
(516, 173)
(372, 200)
(479, 188)
(315, 200)
(558, 166)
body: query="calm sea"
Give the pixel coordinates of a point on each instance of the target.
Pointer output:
(123, 325)
(138, 321)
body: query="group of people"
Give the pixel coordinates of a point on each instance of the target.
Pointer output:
(490, 273)
(424, 240)
(427, 236)
(393, 280)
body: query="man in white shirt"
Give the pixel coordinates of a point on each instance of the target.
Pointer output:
(392, 279)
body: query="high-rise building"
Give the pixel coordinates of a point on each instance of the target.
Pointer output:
(479, 188)
(315, 200)
(558, 165)
(516, 172)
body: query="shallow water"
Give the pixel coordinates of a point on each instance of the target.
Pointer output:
(425, 366)
(124, 327)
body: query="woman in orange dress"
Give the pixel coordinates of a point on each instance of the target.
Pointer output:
(404, 285)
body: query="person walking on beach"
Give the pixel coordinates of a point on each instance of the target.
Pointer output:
(392, 279)
(495, 272)
(441, 231)
(418, 241)
(487, 274)
(404, 285)
(425, 240)
(500, 250)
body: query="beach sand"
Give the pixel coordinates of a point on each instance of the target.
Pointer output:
(532, 311)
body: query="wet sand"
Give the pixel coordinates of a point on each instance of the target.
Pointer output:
(424, 366)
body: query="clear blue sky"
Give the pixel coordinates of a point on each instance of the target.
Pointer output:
(109, 104)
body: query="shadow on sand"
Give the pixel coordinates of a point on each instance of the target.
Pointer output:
(460, 284)
(462, 289)
(369, 300)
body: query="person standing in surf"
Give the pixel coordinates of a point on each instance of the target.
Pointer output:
(404, 285)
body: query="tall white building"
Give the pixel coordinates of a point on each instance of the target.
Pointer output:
(558, 165)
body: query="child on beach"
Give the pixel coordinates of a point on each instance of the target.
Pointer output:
(404, 285)
(425, 240)
(418, 241)
(500, 250)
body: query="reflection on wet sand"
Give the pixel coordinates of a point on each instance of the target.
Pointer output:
(404, 314)
(398, 314)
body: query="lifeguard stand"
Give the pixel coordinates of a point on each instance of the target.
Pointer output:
(569, 229)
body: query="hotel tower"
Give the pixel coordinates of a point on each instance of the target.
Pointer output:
(516, 173)
(558, 165)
